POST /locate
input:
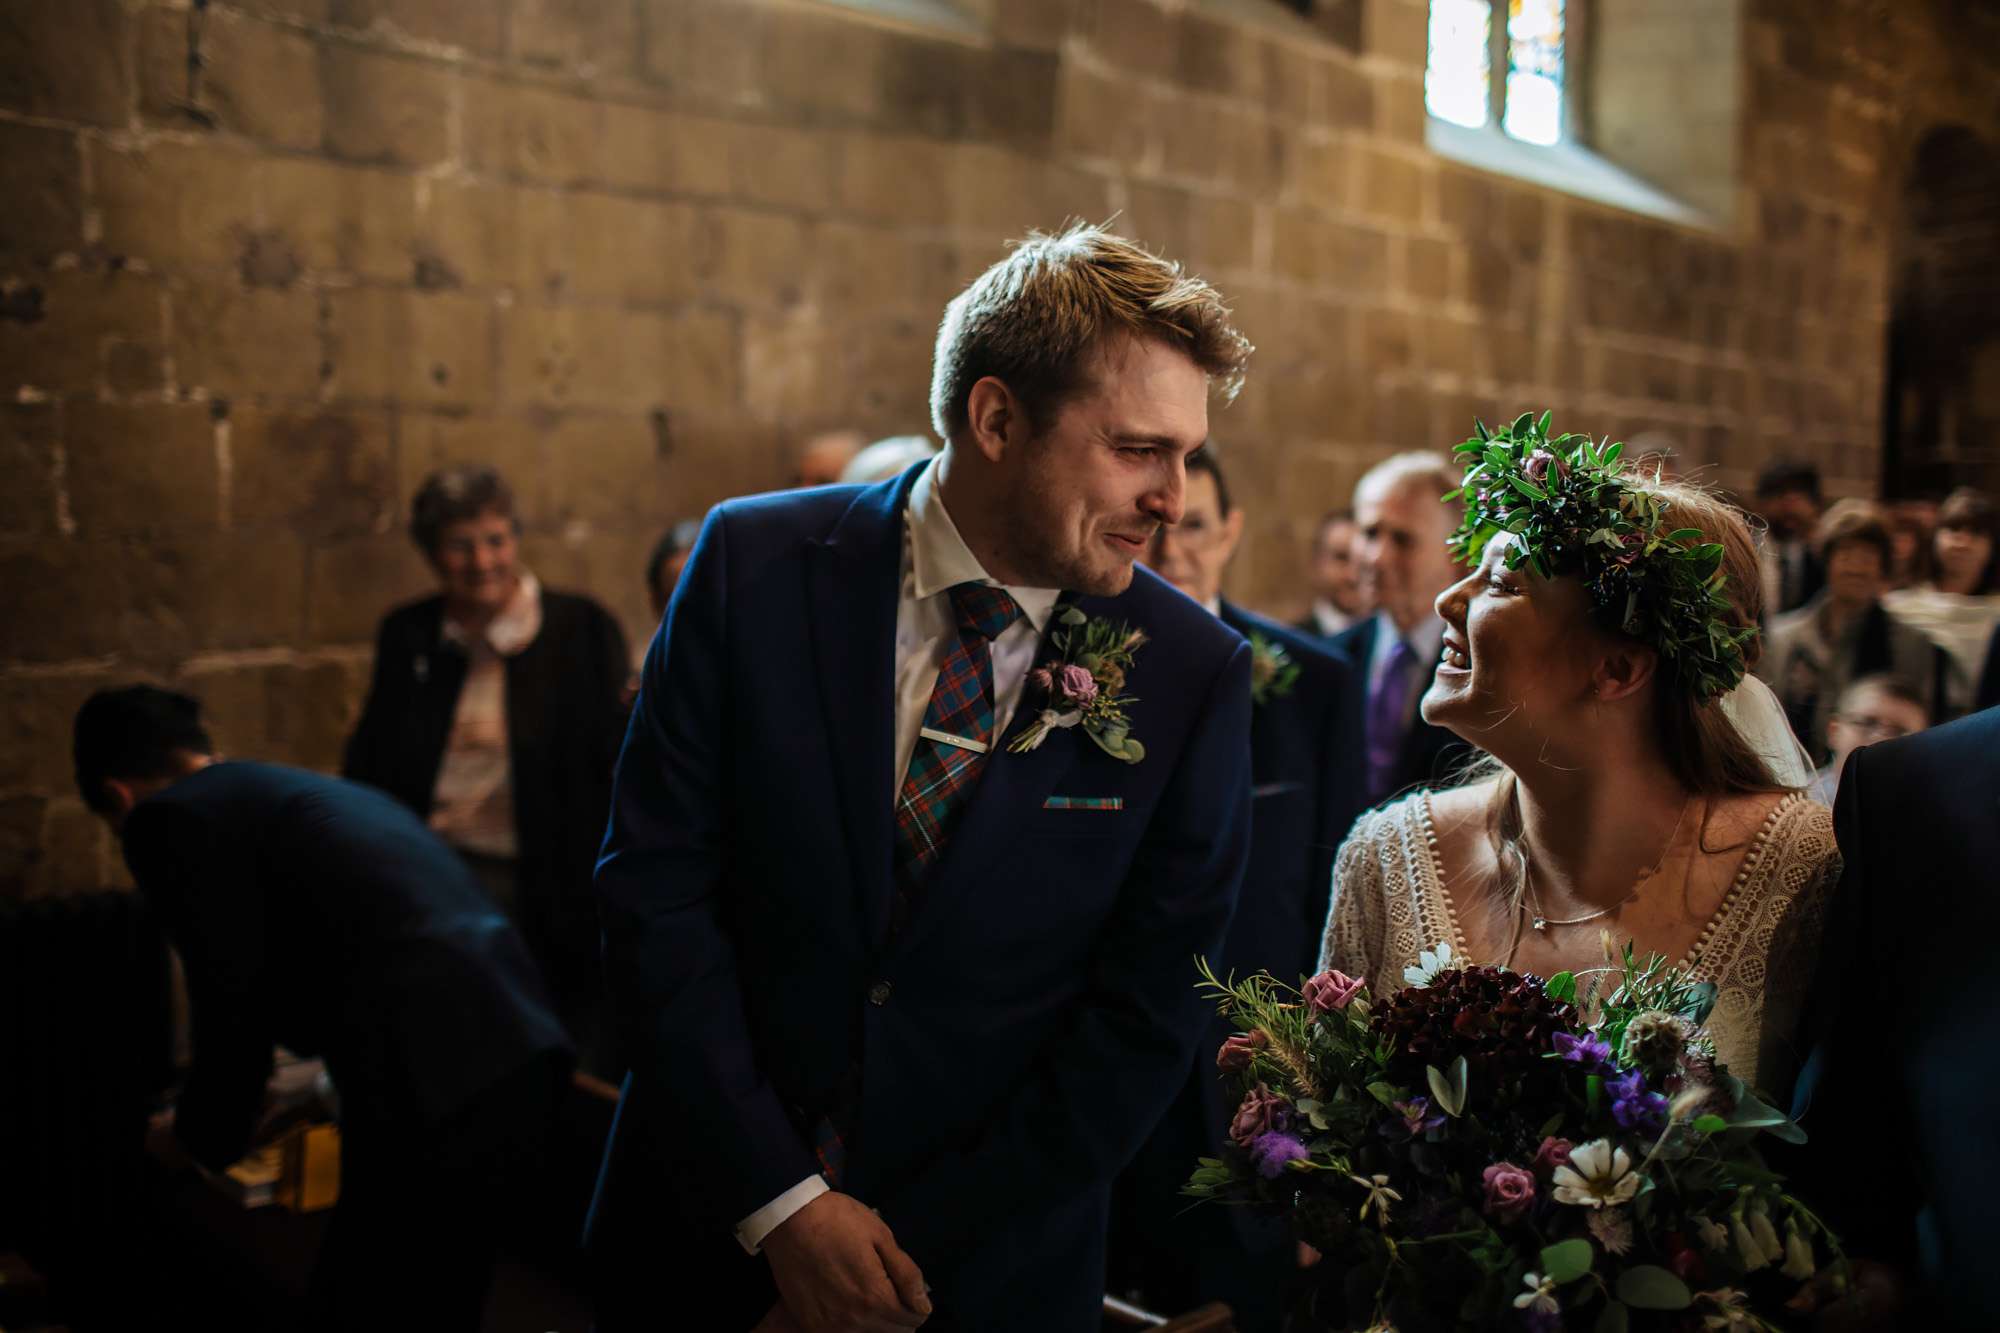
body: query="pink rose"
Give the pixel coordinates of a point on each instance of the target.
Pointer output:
(1509, 1191)
(1234, 1055)
(1079, 686)
(1552, 1154)
(1330, 991)
(1261, 1112)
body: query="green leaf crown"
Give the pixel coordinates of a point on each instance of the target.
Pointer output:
(1567, 501)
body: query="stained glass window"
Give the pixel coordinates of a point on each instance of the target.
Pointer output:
(1534, 71)
(1460, 65)
(1460, 85)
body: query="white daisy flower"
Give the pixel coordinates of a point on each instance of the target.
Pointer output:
(1429, 964)
(1598, 1176)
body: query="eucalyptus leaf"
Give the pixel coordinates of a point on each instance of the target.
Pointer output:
(1385, 1093)
(1614, 1318)
(1561, 987)
(1701, 999)
(1649, 1287)
(1566, 1260)
(1071, 616)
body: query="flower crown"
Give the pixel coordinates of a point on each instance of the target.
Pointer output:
(1567, 502)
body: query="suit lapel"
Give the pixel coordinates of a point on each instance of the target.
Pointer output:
(852, 592)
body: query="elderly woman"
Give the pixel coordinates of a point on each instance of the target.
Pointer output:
(495, 713)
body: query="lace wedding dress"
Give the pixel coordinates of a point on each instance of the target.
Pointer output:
(1759, 948)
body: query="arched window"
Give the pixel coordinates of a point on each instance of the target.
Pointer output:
(1527, 41)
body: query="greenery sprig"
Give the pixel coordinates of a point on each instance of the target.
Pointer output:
(1568, 502)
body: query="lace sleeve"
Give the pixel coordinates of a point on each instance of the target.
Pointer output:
(1794, 955)
(1353, 942)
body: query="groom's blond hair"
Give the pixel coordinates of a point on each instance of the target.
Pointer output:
(1035, 321)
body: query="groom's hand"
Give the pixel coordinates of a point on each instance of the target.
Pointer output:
(839, 1270)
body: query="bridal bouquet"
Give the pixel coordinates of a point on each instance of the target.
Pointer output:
(1472, 1153)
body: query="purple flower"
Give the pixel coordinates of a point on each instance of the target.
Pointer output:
(1261, 1112)
(1235, 1053)
(1330, 991)
(1415, 1117)
(1509, 1191)
(1635, 1108)
(1588, 1050)
(1270, 1152)
(1079, 686)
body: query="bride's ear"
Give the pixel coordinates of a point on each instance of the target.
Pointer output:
(1622, 670)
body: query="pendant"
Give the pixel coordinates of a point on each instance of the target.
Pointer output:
(1540, 923)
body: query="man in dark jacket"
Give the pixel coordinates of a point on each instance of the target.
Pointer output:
(1300, 764)
(1901, 1030)
(321, 915)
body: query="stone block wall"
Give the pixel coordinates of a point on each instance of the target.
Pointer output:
(264, 263)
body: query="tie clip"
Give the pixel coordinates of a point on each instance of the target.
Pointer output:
(962, 742)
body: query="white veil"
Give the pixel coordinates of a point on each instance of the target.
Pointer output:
(1760, 719)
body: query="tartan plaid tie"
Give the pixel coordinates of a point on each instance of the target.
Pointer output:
(941, 775)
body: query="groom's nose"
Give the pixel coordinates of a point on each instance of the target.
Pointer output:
(1167, 501)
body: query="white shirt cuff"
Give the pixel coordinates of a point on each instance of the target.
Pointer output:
(752, 1230)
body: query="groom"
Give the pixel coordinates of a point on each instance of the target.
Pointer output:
(901, 1000)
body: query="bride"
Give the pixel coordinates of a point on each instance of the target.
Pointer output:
(1639, 786)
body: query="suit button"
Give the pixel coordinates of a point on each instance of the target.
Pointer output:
(879, 993)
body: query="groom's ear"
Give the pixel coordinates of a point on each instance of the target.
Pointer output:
(994, 419)
(1623, 670)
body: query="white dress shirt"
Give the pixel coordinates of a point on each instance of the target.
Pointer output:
(1329, 619)
(935, 559)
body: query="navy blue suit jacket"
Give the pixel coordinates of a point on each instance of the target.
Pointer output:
(1902, 1021)
(1430, 755)
(1018, 1038)
(1301, 763)
(322, 915)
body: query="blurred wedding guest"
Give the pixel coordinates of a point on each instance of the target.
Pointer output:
(1176, 1258)
(1336, 580)
(1874, 708)
(669, 558)
(1910, 523)
(1901, 1031)
(822, 457)
(1842, 633)
(886, 458)
(322, 915)
(496, 711)
(1392, 655)
(1957, 606)
(1788, 500)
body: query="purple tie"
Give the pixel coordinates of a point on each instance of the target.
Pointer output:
(1386, 702)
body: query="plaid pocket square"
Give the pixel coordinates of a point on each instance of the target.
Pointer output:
(1084, 803)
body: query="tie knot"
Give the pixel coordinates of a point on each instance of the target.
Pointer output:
(983, 610)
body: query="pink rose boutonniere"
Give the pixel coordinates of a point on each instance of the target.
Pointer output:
(1083, 685)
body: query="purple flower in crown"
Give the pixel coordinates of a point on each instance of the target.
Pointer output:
(1270, 1152)
(1634, 1107)
(1586, 1049)
(1078, 685)
(1414, 1118)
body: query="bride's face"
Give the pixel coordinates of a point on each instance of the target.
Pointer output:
(1518, 656)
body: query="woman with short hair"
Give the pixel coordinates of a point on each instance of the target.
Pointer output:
(496, 712)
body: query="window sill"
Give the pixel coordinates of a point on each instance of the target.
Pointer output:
(1565, 167)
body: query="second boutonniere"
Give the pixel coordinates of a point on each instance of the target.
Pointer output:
(1083, 684)
(1272, 670)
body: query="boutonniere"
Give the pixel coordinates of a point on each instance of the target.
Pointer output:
(1272, 670)
(1082, 685)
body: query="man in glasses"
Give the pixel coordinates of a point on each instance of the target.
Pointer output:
(1874, 708)
(1174, 1258)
